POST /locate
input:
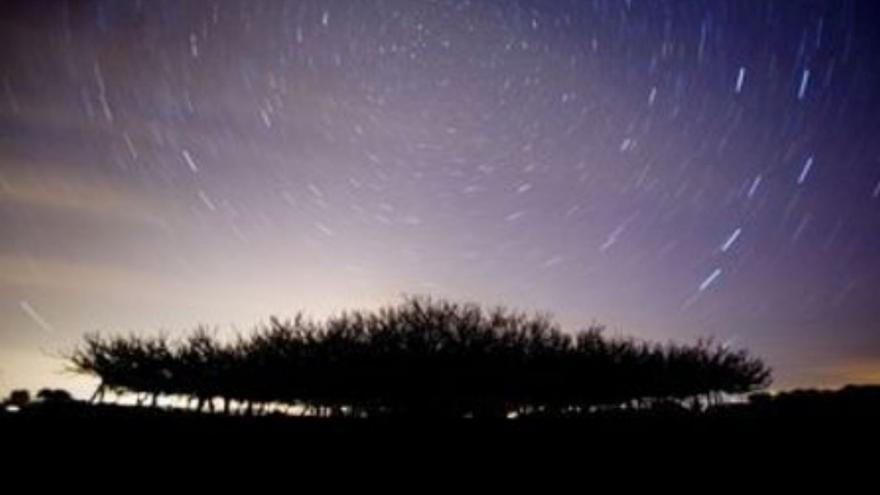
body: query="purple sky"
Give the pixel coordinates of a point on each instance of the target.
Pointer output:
(673, 169)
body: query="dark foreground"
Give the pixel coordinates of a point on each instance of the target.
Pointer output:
(848, 417)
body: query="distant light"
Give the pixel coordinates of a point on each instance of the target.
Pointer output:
(731, 239)
(805, 80)
(190, 162)
(523, 188)
(710, 279)
(755, 184)
(808, 164)
(740, 79)
(36, 317)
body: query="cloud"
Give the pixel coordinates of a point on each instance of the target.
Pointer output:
(95, 198)
(25, 271)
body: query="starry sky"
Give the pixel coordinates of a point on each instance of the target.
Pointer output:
(672, 169)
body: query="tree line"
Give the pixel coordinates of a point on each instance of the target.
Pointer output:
(423, 356)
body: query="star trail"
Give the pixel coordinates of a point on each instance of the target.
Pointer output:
(672, 169)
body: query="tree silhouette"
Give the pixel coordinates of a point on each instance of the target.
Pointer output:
(54, 396)
(421, 357)
(18, 399)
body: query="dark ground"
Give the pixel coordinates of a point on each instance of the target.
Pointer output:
(848, 416)
(806, 440)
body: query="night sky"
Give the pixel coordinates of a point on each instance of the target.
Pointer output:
(672, 169)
